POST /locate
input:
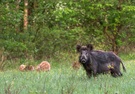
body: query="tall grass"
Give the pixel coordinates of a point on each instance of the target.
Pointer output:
(62, 79)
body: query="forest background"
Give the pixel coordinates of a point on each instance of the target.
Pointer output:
(43, 29)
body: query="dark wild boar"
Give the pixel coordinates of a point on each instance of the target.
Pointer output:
(96, 62)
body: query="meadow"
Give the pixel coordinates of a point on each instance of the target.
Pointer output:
(63, 79)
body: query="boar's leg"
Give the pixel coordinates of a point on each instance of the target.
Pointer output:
(115, 72)
(89, 73)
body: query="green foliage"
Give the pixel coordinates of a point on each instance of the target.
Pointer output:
(57, 26)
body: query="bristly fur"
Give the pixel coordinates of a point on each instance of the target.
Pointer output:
(96, 62)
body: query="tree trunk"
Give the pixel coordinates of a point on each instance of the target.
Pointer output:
(25, 14)
(115, 47)
(111, 37)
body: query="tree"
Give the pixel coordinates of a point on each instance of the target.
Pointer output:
(25, 14)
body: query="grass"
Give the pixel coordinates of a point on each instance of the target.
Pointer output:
(62, 79)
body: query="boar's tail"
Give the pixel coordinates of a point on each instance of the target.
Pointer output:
(123, 66)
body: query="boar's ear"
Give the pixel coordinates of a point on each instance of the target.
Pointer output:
(90, 46)
(78, 47)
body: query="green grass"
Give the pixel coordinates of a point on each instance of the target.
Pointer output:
(62, 79)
